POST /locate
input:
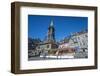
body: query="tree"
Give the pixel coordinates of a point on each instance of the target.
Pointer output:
(32, 43)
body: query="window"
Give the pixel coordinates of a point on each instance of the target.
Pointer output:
(86, 36)
(38, 47)
(47, 46)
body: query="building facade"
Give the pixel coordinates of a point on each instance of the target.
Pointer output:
(79, 41)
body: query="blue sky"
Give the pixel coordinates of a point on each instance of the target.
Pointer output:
(64, 25)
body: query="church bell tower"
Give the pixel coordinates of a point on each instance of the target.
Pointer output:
(51, 32)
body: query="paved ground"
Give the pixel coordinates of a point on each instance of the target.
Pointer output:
(77, 55)
(46, 58)
(40, 58)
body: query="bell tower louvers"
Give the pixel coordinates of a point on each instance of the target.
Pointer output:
(51, 32)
